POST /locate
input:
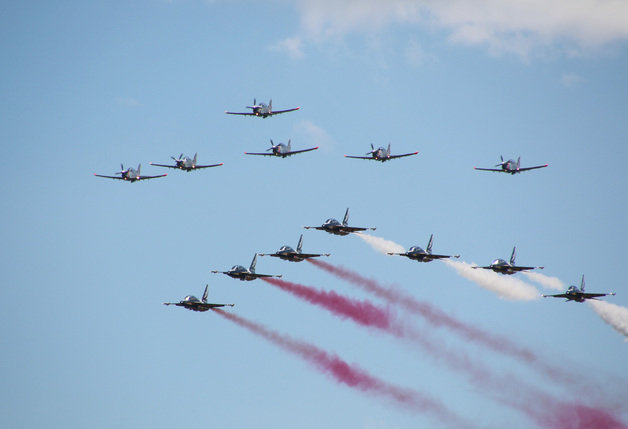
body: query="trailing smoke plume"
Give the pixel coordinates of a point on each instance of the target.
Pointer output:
(367, 314)
(439, 318)
(351, 375)
(504, 286)
(380, 244)
(614, 315)
(545, 281)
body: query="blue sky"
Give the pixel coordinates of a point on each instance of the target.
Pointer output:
(87, 262)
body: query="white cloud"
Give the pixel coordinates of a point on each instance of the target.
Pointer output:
(293, 46)
(570, 79)
(313, 135)
(515, 26)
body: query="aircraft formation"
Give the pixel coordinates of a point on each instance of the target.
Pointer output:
(332, 225)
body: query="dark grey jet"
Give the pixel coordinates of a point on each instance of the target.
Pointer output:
(380, 154)
(130, 175)
(418, 254)
(241, 273)
(578, 295)
(281, 149)
(503, 267)
(262, 110)
(191, 302)
(332, 226)
(510, 166)
(186, 163)
(287, 253)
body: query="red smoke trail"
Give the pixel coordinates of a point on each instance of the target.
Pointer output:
(439, 318)
(362, 312)
(351, 375)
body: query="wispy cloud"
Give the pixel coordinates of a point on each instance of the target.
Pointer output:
(312, 134)
(292, 46)
(570, 79)
(513, 26)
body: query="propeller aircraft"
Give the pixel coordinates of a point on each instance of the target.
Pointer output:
(130, 174)
(186, 163)
(262, 110)
(380, 154)
(283, 150)
(510, 166)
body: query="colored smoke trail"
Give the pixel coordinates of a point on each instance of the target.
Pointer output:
(352, 375)
(370, 315)
(439, 318)
(504, 286)
(612, 314)
(361, 312)
(380, 244)
(545, 281)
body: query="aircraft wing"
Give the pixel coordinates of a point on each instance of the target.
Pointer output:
(320, 228)
(151, 177)
(484, 268)
(499, 170)
(208, 305)
(260, 154)
(401, 156)
(109, 177)
(595, 295)
(516, 268)
(397, 254)
(241, 113)
(311, 255)
(208, 166)
(432, 256)
(299, 151)
(532, 168)
(360, 157)
(277, 112)
(265, 275)
(163, 165)
(558, 295)
(355, 229)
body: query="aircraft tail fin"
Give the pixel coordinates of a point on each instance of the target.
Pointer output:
(195, 156)
(582, 284)
(518, 162)
(514, 254)
(270, 106)
(345, 220)
(205, 294)
(429, 244)
(300, 245)
(253, 264)
(388, 150)
(289, 147)
(139, 168)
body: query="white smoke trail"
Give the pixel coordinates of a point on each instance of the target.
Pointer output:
(382, 245)
(614, 315)
(504, 286)
(545, 281)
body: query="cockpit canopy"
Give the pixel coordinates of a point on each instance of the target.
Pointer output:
(499, 262)
(191, 298)
(416, 249)
(287, 249)
(331, 221)
(238, 268)
(572, 289)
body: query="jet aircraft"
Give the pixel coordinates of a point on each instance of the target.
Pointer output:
(191, 302)
(262, 110)
(287, 253)
(503, 267)
(332, 226)
(241, 273)
(281, 150)
(130, 174)
(578, 295)
(380, 154)
(418, 254)
(186, 163)
(510, 166)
